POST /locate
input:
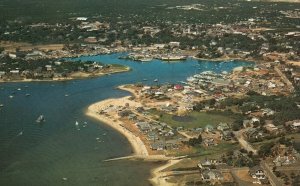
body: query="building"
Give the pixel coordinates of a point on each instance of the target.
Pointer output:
(143, 126)
(211, 175)
(257, 172)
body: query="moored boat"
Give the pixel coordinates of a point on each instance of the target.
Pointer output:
(40, 119)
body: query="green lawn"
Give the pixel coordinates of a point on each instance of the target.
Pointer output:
(216, 151)
(199, 119)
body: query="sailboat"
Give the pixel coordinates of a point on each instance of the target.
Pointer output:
(77, 125)
(40, 119)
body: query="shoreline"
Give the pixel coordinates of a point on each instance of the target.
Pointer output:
(127, 69)
(93, 111)
(138, 146)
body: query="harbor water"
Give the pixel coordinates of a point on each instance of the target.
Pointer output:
(55, 152)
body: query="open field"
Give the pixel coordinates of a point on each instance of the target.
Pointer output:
(193, 119)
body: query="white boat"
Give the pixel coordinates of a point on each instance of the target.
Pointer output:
(156, 80)
(40, 119)
(20, 133)
(145, 59)
(1, 105)
(76, 123)
(173, 58)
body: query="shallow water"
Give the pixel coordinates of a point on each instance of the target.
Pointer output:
(43, 154)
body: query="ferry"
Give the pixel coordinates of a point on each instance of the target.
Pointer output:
(40, 119)
(173, 58)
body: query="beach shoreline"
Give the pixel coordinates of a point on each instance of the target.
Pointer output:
(139, 148)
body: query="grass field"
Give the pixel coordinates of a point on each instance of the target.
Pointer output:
(199, 152)
(197, 119)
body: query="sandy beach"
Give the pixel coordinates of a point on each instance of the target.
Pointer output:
(94, 109)
(139, 148)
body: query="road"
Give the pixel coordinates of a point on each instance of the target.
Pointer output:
(269, 173)
(245, 144)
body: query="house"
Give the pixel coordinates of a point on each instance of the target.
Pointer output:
(205, 164)
(174, 44)
(152, 136)
(81, 18)
(211, 175)
(172, 144)
(91, 40)
(178, 87)
(157, 146)
(294, 125)
(12, 55)
(270, 127)
(268, 112)
(209, 142)
(209, 128)
(57, 63)
(247, 123)
(124, 113)
(132, 117)
(284, 160)
(48, 67)
(255, 120)
(227, 135)
(15, 72)
(253, 133)
(143, 126)
(2, 73)
(223, 126)
(257, 172)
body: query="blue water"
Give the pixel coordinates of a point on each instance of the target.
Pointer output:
(44, 154)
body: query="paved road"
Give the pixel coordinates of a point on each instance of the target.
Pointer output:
(269, 173)
(245, 144)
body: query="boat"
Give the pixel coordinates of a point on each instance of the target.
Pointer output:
(27, 94)
(173, 58)
(20, 133)
(11, 96)
(145, 79)
(40, 119)
(77, 125)
(1, 105)
(145, 59)
(156, 80)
